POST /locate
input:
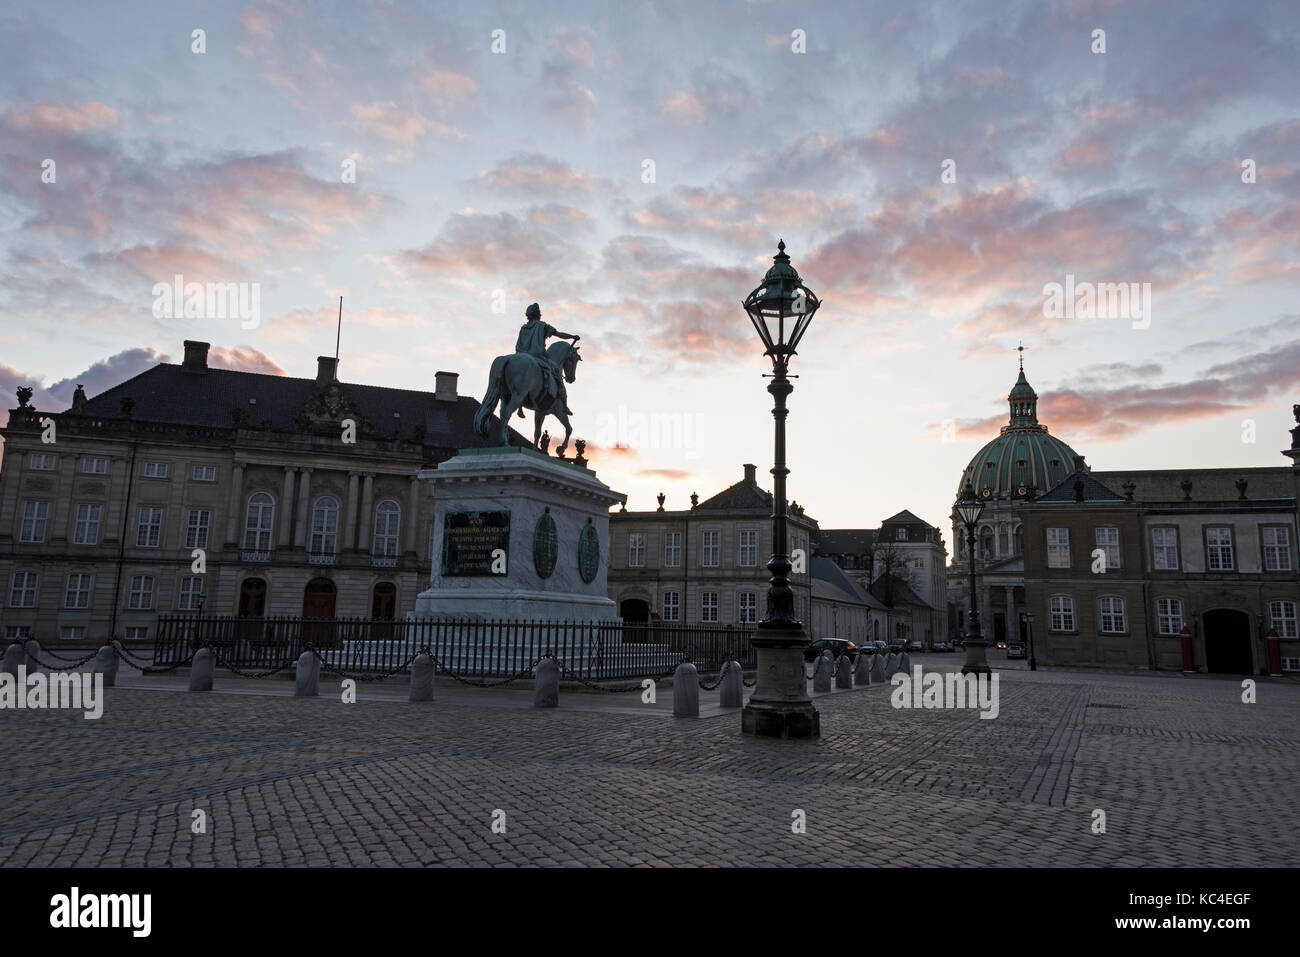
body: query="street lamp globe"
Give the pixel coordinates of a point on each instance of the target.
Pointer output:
(781, 308)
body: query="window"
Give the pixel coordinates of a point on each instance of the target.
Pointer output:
(1218, 548)
(1164, 549)
(86, 529)
(18, 631)
(34, 518)
(72, 632)
(93, 465)
(388, 524)
(1169, 616)
(748, 548)
(140, 597)
(196, 532)
(77, 594)
(257, 522)
(1108, 541)
(748, 607)
(204, 473)
(1020, 540)
(40, 461)
(986, 543)
(1113, 619)
(191, 598)
(1058, 548)
(137, 633)
(709, 549)
(709, 606)
(672, 606)
(156, 470)
(672, 549)
(325, 527)
(1282, 616)
(1061, 610)
(636, 549)
(902, 535)
(1277, 548)
(22, 590)
(148, 532)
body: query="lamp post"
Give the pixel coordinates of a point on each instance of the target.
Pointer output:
(780, 308)
(969, 507)
(1029, 621)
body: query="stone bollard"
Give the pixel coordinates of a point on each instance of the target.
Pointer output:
(106, 665)
(822, 672)
(862, 669)
(891, 664)
(307, 676)
(877, 670)
(686, 691)
(14, 656)
(843, 673)
(32, 651)
(732, 690)
(421, 678)
(546, 684)
(905, 663)
(201, 670)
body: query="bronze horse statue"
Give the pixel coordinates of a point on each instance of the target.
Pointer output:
(518, 382)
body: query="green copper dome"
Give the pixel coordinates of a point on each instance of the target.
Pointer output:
(1023, 456)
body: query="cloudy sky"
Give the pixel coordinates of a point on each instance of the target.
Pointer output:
(631, 166)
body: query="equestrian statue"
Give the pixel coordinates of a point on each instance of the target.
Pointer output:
(532, 378)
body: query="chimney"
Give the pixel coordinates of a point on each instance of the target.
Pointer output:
(750, 476)
(196, 356)
(327, 369)
(1080, 465)
(444, 388)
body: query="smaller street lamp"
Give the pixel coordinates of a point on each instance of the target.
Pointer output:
(969, 508)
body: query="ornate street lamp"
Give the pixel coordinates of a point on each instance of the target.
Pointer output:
(969, 507)
(780, 309)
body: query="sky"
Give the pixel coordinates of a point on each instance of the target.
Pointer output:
(932, 167)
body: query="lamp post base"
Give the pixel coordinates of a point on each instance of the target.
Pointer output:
(977, 662)
(780, 706)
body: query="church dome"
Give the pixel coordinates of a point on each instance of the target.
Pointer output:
(1023, 457)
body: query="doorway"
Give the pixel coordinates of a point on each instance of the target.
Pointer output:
(635, 613)
(318, 600)
(1227, 642)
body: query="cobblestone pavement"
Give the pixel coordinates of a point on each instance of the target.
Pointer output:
(1185, 772)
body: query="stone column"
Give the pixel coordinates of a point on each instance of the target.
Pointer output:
(350, 523)
(304, 495)
(1013, 619)
(367, 510)
(236, 496)
(285, 538)
(410, 526)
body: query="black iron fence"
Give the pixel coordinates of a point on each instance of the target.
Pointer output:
(592, 650)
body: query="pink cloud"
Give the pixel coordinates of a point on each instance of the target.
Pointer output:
(50, 118)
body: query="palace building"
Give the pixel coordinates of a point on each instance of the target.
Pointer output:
(294, 512)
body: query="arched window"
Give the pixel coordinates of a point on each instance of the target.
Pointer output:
(388, 521)
(986, 542)
(324, 527)
(1020, 540)
(1004, 540)
(258, 522)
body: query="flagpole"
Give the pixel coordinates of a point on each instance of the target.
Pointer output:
(339, 334)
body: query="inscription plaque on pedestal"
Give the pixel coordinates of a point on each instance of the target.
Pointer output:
(470, 538)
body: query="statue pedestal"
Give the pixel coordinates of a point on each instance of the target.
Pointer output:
(518, 534)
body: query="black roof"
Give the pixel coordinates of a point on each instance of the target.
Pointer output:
(744, 494)
(845, 541)
(900, 591)
(1080, 486)
(209, 398)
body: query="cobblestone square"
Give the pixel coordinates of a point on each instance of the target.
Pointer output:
(1185, 772)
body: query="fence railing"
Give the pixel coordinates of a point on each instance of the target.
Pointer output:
(593, 650)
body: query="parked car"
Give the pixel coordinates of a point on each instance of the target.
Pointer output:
(942, 646)
(1016, 649)
(897, 646)
(879, 647)
(914, 646)
(1002, 644)
(837, 646)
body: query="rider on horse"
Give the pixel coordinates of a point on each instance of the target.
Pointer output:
(532, 341)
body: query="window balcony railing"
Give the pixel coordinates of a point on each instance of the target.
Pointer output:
(251, 555)
(383, 561)
(322, 558)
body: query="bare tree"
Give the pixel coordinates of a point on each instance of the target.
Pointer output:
(892, 563)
